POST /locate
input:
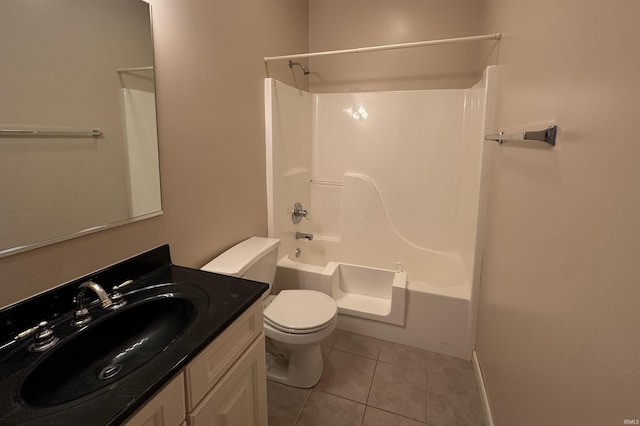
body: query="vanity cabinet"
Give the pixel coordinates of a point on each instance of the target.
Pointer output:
(239, 398)
(165, 408)
(225, 384)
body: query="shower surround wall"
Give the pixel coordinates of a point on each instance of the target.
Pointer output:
(388, 178)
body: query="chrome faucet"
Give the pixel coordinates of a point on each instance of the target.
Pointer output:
(301, 235)
(298, 213)
(81, 316)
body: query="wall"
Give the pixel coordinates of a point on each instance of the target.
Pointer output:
(558, 336)
(209, 76)
(336, 24)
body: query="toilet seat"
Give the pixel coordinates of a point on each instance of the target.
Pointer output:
(300, 311)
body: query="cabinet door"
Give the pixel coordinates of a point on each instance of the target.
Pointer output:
(206, 369)
(166, 408)
(240, 397)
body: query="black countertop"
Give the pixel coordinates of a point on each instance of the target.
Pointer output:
(218, 299)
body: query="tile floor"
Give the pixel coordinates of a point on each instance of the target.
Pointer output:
(370, 382)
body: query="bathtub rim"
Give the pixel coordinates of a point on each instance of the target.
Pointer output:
(461, 291)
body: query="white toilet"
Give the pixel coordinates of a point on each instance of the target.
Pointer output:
(295, 321)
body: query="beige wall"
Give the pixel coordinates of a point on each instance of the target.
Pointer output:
(338, 24)
(209, 75)
(558, 336)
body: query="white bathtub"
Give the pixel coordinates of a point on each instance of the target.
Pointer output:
(359, 291)
(387, 304)
(365, 292)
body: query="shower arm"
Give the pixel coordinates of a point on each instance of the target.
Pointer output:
(305, 71)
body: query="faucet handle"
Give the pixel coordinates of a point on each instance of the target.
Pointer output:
(81, 317)
(124, 284)
(298, 213)
(27, 332)
(43, 338)
(116, 296)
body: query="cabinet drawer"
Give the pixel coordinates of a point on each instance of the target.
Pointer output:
(213, 362)
(240, 397)
(166, 408)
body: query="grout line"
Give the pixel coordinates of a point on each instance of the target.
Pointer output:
(340, 396)
(366, 404)
(399, 415)
(375, 368)
(388, 411)
(304, 404)
(353, 352)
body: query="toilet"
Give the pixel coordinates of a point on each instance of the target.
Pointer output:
(295, 321)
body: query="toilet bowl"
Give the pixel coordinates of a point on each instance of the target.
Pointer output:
(295, 321)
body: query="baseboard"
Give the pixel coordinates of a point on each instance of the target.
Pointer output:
(483, 390)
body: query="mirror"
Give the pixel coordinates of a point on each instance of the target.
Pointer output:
(78, 139)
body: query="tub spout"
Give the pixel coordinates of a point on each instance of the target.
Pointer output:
(300, 235)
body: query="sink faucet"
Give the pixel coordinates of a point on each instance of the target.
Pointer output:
(81, 316)
(300, 235)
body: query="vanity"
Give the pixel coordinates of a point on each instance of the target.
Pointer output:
(187, 348)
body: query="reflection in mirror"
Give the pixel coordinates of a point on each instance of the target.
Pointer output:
(72, 66)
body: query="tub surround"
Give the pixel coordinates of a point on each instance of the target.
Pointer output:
(387, 178)
(401, 185)
(223, 299)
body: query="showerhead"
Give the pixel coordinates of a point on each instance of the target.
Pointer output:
(305, 71)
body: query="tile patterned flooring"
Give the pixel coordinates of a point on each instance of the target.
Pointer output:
(370, 382)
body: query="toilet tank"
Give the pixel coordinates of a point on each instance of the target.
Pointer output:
(253, 259)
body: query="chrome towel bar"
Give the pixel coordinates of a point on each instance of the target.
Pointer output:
(547, 135)
(27, 133)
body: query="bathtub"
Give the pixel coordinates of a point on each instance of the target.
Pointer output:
(373, 293)
(394, 305)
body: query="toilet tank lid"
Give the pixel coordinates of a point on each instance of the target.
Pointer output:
(242, 256)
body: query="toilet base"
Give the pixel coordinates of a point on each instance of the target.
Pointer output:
(301, 368)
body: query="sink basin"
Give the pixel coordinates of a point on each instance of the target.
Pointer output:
(107, 350)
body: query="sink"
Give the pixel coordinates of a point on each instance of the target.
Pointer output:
(107, 350)
(103, 372)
